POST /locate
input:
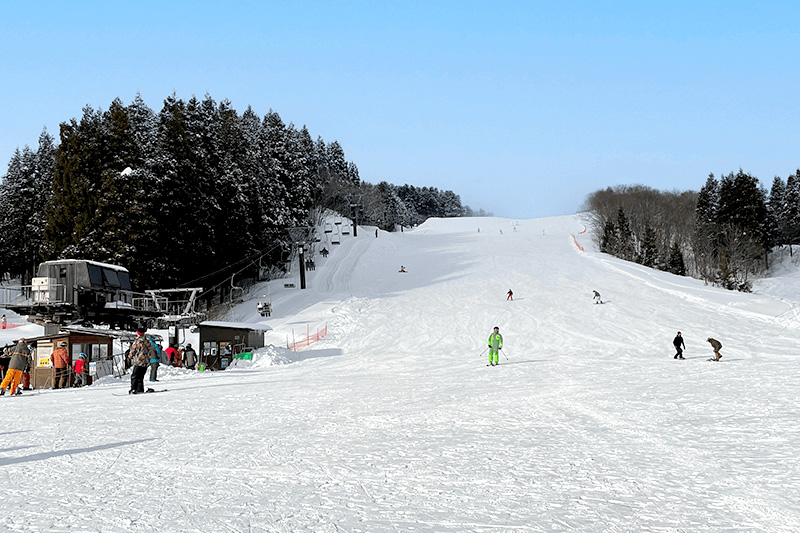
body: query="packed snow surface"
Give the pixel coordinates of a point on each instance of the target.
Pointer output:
(394, 421)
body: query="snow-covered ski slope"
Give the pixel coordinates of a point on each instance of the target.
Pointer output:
(393, 422)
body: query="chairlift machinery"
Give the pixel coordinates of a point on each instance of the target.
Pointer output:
(90, 293)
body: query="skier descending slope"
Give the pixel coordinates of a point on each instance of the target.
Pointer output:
(495, 343)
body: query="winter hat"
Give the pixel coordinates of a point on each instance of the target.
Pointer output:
(140, 333)
(62, 343)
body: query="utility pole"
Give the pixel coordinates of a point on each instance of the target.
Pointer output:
(302, 266)
(300, 236)
(354, 207)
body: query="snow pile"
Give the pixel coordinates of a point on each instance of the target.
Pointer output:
(263, 358)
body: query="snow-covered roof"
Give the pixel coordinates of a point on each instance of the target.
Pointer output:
(98, 263)
(256, 326)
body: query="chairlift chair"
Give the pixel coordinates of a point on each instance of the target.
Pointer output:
(328, 228)
(236, 294)
(346, 229)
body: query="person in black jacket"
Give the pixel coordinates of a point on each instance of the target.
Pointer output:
(679, 345)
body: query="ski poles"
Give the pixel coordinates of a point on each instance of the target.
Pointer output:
(484, 351)
(504, 354)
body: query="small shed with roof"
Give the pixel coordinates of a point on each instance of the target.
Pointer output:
(97, 346)
(220, 342)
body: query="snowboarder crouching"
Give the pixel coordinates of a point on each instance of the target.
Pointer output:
(717, 346)
(495, 343)
(597, 298)
(510, 295)
(677, 342)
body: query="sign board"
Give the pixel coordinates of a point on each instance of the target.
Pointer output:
(44, 350)
(100, 369)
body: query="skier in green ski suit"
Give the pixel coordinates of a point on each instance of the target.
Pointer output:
(495, 343)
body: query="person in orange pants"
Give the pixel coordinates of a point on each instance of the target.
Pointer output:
(20, 358)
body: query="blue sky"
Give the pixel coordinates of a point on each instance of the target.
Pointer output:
(521, 108)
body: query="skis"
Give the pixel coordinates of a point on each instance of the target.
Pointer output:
(148, 391)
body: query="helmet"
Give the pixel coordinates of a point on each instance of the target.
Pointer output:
(82, 356)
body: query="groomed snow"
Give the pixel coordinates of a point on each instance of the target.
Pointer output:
(393, 421)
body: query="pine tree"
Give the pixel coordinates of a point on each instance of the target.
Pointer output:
(675, 262)
(792, 209)
(278, 213)
(743, 211)
(608, 238)
(184, 234)
(624, 237)
(777, 209)
(648, 255)
(16, 196)
(705, 239)
(24, 195)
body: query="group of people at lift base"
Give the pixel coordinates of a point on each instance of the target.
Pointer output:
(146, 352)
